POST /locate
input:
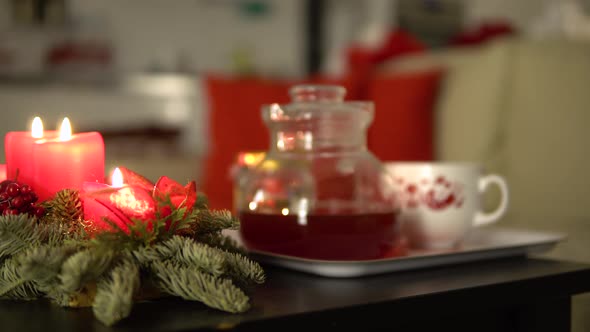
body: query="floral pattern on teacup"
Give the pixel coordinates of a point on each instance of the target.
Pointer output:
(437, 194)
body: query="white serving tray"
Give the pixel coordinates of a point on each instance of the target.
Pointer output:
(481, 244)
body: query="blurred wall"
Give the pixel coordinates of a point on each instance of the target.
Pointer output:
(203, 34)
(198, 35)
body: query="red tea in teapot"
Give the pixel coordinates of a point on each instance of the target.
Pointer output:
(327, 237)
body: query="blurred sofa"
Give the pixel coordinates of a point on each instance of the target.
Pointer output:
(522, 109)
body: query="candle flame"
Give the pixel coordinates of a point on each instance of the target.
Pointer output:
(37, 128)
(65, 132)
(117, 178)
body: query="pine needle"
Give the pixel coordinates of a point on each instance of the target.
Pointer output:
(13, 285)
(202, 201)
(184, 252)
(218, 240)
(243, 269)
(83, 267)
(17, 232)
(43, 264)
(200, 256)
(208, 222)
(114, 297)
(56, 233)
(145, 255)
(191, 284)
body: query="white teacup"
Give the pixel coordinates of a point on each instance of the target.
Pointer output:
(440, 201)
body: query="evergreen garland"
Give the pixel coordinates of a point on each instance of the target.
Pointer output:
(13, 285)
(114, 295)
(192, 284)
(183, 254)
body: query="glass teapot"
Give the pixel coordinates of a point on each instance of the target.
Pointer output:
(319, 193)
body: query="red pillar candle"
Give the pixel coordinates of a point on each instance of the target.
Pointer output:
(95, 210)
(19, 148)
(2, 172)
(67, 161)
(120, 204)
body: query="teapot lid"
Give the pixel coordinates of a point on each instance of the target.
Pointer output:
(317, 93)
(316, 100)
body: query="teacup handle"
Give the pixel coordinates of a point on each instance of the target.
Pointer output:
(482, 218)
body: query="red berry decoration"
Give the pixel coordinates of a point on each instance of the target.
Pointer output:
(38, 211)
(25, 189)
(18, 202)
(17, 198)
(13, 189)
(10, 211)
(3, 185)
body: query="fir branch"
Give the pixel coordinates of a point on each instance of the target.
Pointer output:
(57, 230)
(242, 269)
(114, 297)
(202, 202)
(58, 233)
(61, 298)
(42, 265)
(84, 297)
(191, 254)
(17, 232)
(83, 267)
(191, 284)
(208, 222)
(13, 285)
(220, 241)
(184, 252)
(145, 255)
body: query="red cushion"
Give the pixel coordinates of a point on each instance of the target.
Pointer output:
(403, 125)
(235, 125)
(362, 61)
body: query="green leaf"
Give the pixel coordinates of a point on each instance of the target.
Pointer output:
(178, 220)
